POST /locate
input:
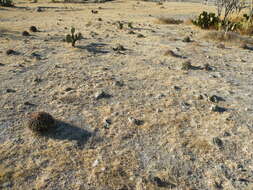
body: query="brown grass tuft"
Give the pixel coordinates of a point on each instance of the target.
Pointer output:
(163, 20)
(230, 37)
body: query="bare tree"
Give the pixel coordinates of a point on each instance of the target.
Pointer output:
(229, 7)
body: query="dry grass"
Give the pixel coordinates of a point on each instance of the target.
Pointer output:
(164, 20)
(230, 37)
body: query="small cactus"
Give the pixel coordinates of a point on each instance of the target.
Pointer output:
(72, 38)
(40, 121)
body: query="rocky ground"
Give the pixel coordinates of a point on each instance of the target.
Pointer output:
(132, 113)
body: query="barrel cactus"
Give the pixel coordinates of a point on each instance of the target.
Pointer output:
(40, 121)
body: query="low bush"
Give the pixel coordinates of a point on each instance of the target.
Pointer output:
(6, 3)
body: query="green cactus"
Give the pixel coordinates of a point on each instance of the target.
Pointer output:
(207, 20)
(72, 38)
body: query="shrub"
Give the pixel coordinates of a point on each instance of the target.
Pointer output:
(72, 38)
(6, 3)
(207, 21)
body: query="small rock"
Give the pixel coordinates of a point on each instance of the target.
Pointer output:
(187, 39)
(222, 46)
(25, 33)
(200, 97)
(33, 29)
(131, 32)
(94, 11)
(207, 67)
(107, 123)
(159, 96)
(39, 9)
(68, 89)
(37, 80)
(140, 36)
(8, 90)
(1, 64)
(100, 19)
(177, 88)
(95, 163)
(135, 121)
(158, 110)
(11, 52)
(226, 134)
(119, 48)
(215, 98)
(36, 56)
(162, 183)
(218, 142)
(102, 94)
(119, 83)
(28, 104)
(216, 108)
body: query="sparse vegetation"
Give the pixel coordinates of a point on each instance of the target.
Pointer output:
(207, 21)
(6, 3)
(73, 38)
(164, 20)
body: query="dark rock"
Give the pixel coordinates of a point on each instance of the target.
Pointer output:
(135, 121)
(102, 94)
(94, 11)
(207, 67)
(215, 99)
(68, 89)
(107, 123)
(218, 142)
(131, 32)
(29, 104)
(140, 36)
(119, 48)
(11, 52)
(36, 56)
(39, 9)
(216, 108)
(119, 83)
(25, 33)
(187, 39)
(33, 29)
(162, 183)
(8, 90)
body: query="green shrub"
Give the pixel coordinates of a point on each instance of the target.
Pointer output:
(207, 21)
(72, 38)
(6, 3)
(210, 21)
